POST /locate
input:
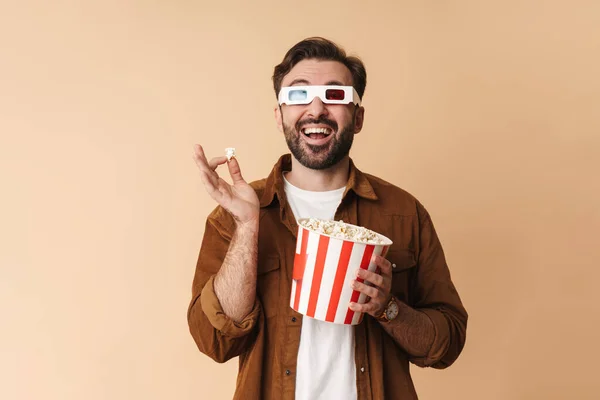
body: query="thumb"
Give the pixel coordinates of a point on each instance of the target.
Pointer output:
(234, 171)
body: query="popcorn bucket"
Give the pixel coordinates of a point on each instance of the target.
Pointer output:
(324, 266)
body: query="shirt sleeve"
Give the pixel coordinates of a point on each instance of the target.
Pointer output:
(436, 296)
(215, 334)
(219, 320)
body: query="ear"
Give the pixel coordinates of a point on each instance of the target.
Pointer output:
(359, 118)
(278, 118)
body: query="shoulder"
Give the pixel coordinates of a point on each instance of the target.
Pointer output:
(393, 199)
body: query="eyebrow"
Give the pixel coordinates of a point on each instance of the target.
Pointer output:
(304, 82)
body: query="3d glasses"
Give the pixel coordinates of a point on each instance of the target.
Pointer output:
(330, 94)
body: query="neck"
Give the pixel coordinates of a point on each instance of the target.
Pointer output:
(319, 180)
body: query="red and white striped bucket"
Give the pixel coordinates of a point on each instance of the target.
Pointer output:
(324, 266)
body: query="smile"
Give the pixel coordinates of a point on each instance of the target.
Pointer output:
(316, 133)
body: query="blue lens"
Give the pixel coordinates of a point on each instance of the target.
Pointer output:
(297, 95)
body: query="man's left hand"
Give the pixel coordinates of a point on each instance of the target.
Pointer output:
(379, 293)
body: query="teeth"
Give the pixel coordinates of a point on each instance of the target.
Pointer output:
(308, 131)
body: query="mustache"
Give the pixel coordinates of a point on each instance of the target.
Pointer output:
(320, 121)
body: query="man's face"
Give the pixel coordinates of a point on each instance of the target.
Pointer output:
(319, 135)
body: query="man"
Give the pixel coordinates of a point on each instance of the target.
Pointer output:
(241, 289)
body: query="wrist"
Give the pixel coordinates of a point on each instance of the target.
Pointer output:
(391, 310)
(250, 225)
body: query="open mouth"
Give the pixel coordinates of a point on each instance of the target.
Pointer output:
(316, 133)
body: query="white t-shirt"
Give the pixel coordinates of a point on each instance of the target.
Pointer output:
(326, 367)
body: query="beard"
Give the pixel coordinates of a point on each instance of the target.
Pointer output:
(319, 156)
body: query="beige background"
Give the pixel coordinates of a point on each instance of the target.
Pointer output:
(487, 111)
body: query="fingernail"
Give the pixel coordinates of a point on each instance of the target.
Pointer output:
(374, 259)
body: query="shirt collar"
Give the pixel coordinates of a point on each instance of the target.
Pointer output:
(357, 182)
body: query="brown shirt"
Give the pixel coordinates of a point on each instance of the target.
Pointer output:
(267, 340)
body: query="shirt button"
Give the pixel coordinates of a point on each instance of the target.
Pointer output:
(293, 319)
(393, 265)
(362, 369)
(287, 372)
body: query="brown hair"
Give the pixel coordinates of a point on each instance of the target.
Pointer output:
(321, 49)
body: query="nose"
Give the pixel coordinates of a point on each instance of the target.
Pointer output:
(317, 108)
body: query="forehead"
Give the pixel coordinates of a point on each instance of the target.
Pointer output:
(318, 72)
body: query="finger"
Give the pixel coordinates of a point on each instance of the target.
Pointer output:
(234, 171)
(386, 273)
(208, 176)
(200, 158)
(370, 276)
(366, 289)
(384, 264)
(368, 308)
(199, 152)
(211, 185)
(216, 161)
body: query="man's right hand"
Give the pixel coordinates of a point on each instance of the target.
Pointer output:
(239, 199)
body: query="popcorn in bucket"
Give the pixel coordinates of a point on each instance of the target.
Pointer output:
(328, 253)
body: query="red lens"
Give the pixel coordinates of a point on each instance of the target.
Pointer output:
(334, 94)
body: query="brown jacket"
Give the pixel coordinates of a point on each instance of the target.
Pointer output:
(267, 340)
